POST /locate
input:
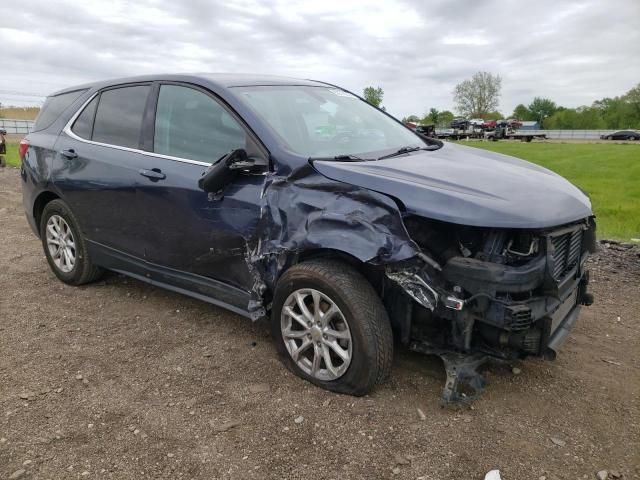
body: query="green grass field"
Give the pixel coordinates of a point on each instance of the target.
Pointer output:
(610, 173)
(13, 160)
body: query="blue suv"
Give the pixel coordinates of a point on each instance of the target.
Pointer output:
(297, 201)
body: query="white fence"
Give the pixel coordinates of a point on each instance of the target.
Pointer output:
(16, 127)
(570, 134)
(552, 134)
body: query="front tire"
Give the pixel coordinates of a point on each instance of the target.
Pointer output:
(64, 245)
(330, 327)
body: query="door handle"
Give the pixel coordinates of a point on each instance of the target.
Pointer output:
(70, 154)
(153, 174)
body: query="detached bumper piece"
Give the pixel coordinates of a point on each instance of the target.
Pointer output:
(464, 382)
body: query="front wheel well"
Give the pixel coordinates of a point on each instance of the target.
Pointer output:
(40, 203)
(374, 274)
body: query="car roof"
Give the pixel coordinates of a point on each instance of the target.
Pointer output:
(221, 80)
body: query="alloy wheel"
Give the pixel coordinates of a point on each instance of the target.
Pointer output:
(316, 334)
(61, 243)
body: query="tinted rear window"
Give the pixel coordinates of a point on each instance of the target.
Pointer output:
(119, 116)
(53, 107)
(83, 125)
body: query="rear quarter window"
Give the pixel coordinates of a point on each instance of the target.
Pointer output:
(53, 107)
(83, 126)
(118, 120)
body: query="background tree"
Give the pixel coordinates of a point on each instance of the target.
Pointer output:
(373, 95)
(433, 116)
(615, 112)
(413, 119)
(495, 115)
(478, 95)
(541, 108)
(444, 118)
(581, 118)
(632, 97)
(521, 113)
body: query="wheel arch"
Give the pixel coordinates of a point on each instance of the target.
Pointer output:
(40, 202)
(373, 273)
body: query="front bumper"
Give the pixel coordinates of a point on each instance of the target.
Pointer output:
(560, 334)
(510, 325)
(504, 310)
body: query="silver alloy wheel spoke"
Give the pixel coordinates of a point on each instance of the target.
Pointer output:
(317, 359)
(294, 333)
(306, 343)
(328, 315)
(327, 359)
(316, 334)
(337, 334)
(298, 318)
(317, 314)
(61, 244)
(303, 307)
(343, 354)
(52, 230)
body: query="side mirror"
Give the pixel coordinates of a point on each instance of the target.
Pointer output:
(222, 172)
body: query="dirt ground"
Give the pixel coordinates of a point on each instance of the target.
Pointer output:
(123, 380)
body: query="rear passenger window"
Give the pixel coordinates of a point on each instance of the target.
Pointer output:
(192, 125)
(119, 116)
(83, 125)
(53, 107)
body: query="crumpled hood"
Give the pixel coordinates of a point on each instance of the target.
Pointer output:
(468, 186)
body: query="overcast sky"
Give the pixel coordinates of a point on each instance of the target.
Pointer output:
(570, 51)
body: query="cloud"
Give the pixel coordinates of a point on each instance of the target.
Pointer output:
(573, 52)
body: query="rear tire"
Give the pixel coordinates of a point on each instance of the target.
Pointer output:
(361, 317)
(65, 246)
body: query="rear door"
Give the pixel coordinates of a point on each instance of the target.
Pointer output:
(98, 168)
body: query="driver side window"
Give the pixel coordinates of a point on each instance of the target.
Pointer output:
(192, 125)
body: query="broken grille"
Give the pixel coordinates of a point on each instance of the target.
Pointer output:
(519, 318)
(566, 250)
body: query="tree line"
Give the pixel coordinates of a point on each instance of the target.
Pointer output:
(478, 97)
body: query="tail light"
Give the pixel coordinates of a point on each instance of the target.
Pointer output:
(22, 148)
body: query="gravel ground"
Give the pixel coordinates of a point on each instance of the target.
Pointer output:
(123, 380)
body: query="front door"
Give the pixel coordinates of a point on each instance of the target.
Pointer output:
(187, 230)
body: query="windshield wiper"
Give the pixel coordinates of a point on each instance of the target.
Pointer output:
(343, 158)
(402, 151)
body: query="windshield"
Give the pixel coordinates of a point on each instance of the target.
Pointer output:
(326, 122)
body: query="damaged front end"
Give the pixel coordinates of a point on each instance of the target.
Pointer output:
(482, 294)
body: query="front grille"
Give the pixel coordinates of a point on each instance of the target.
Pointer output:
(565, 252)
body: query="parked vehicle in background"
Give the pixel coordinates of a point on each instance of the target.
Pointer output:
(477, 122)
(427, 130)
(503, 131)
(622, 135)
(297, 201)
(460, 123)
(489, 124)
(3, 147)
